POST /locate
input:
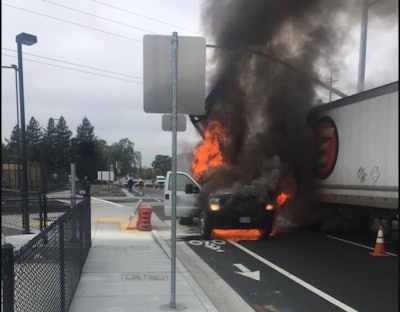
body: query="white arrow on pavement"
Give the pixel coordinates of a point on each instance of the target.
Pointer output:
(246, 272)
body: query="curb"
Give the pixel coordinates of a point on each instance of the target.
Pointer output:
(214, 293)
(205, 301)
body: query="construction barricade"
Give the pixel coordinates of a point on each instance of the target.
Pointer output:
(144, 220)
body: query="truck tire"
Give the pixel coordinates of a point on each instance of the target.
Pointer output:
(205, 225)
(185, 220)
(362, 219)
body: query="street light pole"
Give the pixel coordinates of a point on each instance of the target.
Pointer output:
(26, 39)
(13, 66)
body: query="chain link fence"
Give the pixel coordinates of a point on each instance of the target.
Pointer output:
(43, 273)
(41, 211)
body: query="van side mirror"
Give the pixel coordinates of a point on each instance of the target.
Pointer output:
(191, 189)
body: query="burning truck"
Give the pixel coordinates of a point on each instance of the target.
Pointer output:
(236, 205)
(353, 178)
(268, 63)
(222, 196)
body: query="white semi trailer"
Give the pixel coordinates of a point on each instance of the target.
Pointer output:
(357, 158)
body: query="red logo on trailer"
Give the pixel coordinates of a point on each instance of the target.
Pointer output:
(327, 147)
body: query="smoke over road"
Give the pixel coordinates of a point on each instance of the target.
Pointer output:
(261, 104)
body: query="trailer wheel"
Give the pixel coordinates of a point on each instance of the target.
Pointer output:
(205, 225)
(362, 219)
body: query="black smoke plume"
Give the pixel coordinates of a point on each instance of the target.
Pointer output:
(260, 102)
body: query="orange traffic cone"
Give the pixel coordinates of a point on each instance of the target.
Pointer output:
(380, 245)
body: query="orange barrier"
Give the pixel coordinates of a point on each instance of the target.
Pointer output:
(380, 245)
(144, 220)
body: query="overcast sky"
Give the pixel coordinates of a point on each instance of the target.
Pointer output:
(84, 65)
(88, 62)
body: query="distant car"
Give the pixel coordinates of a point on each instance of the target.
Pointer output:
(148, 183)
(160, 181)
(124, 183)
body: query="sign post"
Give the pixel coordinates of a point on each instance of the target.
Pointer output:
(173, 166)
(161, 78)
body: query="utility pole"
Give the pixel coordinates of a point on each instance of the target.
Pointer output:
(363, 43)
(330, 82)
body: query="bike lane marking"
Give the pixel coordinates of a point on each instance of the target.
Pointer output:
(294, 278)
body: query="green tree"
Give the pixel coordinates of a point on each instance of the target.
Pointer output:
(87, 144)
(62, 152)
(85, 131)
(161, 164)
(104, 155)
(51, 148)
(12, 147)
(147, 173)
(34, 141)
(5, 153)
(124, 152)
(49, 163)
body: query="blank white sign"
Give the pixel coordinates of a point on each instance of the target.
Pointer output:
(157, 74)
(167, 122)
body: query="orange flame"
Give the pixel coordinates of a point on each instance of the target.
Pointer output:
(207, 156)
(281, 199)
(236, 235)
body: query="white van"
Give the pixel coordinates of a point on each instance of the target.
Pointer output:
(221, 210)
(160, 181)
(186, 204)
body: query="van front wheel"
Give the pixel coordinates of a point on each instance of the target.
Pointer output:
(205, 225)
(185, 220)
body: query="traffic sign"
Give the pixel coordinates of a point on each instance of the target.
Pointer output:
(167, 122)
(157, 74)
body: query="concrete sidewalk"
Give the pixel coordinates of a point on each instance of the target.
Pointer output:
(128, 269)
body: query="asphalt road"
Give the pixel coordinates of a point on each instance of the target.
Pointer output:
(304, 271)
(300, 270)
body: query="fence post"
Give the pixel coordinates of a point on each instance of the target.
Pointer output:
(41, 212)
(7, 265)
(62, 267)
(89, 220)
(45, 209)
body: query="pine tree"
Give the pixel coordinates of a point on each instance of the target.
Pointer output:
(62, 148)
(84, 132)
(13, 145)
(86, 149)
(49, 147)
(34, 140)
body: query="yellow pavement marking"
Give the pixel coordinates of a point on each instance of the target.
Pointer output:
(123, 222)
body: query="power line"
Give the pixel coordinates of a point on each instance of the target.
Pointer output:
(73, 23)
(75, 64)
(97, 16)
(78, 70)
(144, 16)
